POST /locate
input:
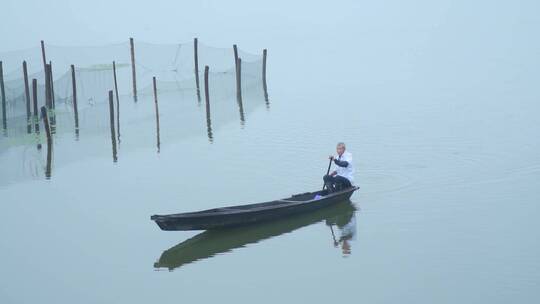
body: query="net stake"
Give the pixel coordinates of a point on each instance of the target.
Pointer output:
(239, 90)
(207, 98)
(117, 101)
(3, 93)
(35, 103)
(133, 72)
(27, 99)
(113, 133)
(264, 77)
(157, 113)
(75, 108)
(196, 58)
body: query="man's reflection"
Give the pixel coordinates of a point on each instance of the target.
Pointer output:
(346, 225)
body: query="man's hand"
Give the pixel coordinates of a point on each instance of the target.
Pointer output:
(333, 173)
(331, 157)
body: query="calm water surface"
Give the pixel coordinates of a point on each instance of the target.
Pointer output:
(442, 117)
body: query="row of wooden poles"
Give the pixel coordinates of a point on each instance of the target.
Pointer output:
(32, 100)
(115, 126)
(50, 104)
(48, 115)
(50, 97)
(115, 135)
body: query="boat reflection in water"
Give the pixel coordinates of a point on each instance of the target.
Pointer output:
(212, 242)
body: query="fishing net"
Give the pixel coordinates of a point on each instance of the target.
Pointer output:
(171, 64)
(182, 108)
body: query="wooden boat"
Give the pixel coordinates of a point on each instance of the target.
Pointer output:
(248, 214)
(210, 243)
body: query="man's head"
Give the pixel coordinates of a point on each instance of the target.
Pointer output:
(340, 148)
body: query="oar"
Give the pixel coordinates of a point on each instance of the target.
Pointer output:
(327, 172)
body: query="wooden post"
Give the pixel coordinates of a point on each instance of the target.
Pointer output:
(51, 81)
(239, 79)
(133, 72)
(113, 133)
(43, 54)
(207, 98)
(75, 108)
(48, 99)
(264, 76)
(157, 113)
(52, 119)
(44, 114)
(206, 94)
(235, 49)
(27, 97)
(239, 90)
(196, 58)
(35, 102)
(117, 101)
(264, 66)
(3, 93)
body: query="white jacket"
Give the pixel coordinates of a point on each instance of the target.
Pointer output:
(347, 172)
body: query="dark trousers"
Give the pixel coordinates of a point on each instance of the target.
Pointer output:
(336, 183)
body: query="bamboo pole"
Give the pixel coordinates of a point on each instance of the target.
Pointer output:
(206, 94)
(235, 49)
(43, 54)
(196, 58)
(113, 133)
(75, 108)
(51, 82)
(51, 79)
(3, 93)
(239, 79)
(35, 103)
(207, 99)
(239, 90)
(48, 99)
(133, 71)
(27, 98)
(264, 76)
(117, 101)
(52, 119)
(265, 52)
(157, 113)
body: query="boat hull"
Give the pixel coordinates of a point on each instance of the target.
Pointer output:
(210, 243)
(249, 214)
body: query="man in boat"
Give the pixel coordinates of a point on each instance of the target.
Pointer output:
(342, 176)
